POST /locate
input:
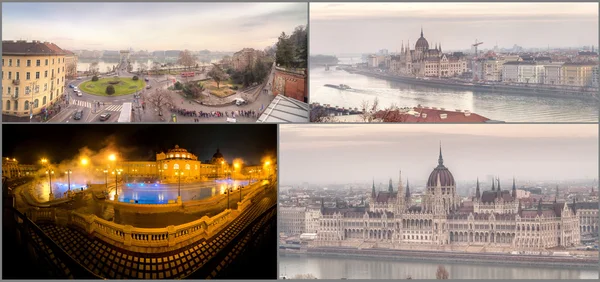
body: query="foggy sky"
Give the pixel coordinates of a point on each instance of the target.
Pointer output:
(350, 153)
(152, 26)
(343, 28)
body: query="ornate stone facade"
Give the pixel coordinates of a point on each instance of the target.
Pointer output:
(424, 61)
(492, 218)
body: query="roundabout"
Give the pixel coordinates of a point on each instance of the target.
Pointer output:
(122, 86)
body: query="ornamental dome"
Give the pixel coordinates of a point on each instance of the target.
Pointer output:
(218, 155)
(445, 176)
(422, 43)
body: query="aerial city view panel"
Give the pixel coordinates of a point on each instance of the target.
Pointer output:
(165, 62)
(469, 201)
(454, 62)
(139, 201)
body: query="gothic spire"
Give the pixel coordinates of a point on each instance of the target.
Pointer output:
(400, 188)
(373, 192)
(477, 192)
(514, 189)
(498, 179)
(556, 195)
(407, 190)
(493, 185)
(539, 210)
(440, 159)
(390, 188)
(421, 31)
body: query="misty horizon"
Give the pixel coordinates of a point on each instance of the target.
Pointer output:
(345, 154)
(226, 27)
(355, 28)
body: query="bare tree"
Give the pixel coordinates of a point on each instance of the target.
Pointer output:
(160, 98)
(320, 114)
(217, 74)
(441, 273)
(369, 110)
(155, 67)
(71, 69)
(94, 69)
(108, 69)
(187, 59)
(143, 67)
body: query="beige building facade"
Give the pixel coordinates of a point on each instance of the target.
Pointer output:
(33, 76)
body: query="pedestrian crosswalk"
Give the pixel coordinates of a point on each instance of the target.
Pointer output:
(107, 107)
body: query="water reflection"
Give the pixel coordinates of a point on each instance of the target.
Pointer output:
(155, 193)
(373, 268)
(506, 107)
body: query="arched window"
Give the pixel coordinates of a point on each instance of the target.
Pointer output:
(165, 166)
(36, 103)
(171, 156)
(196, 167)
(187, 166)
(26, 105)
(16, 107)
(8, 105)
(176, 166)
(51, 96)
(44, 101)
(177, 155)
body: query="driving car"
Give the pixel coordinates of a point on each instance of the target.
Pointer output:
(104, 117)
(148, 87)
(71, 86)
(78, 115)
(78, 93)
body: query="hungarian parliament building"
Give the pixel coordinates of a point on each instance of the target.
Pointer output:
(494, 218)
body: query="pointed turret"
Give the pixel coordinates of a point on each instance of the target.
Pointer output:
(574, 206)
(520, 207)
(539, 209)
(373, 191)
(514, 189)
(400, 187)
(322, 204)
(477, 192)
(421, 31)
(440, 158)
(493, 185)
(499, 189)
(407, 196)
(390, 187)
(440, 47)
(556, 195)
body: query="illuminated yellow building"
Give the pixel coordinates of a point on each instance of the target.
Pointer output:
(33, 76)
(168, 167)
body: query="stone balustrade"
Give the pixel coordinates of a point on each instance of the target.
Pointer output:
(129, 236)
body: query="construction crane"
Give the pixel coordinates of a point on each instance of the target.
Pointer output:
(475, 45)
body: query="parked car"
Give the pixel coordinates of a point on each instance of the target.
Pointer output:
(104, 117)
(78, 115)
(71, 86)
(146, 79)
(240, 101)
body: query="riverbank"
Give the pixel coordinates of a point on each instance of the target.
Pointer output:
(493, 88)
(450, 257)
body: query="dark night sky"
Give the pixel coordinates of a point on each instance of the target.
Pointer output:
(29, 143)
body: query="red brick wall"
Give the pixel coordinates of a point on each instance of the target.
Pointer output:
(290, 84)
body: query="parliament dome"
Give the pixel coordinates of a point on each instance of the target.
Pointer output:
(441, 171)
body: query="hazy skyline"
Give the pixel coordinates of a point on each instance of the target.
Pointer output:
(351, 28)
(152, 26)
(327, 154)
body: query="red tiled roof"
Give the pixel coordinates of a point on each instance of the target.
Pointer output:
(30, 48)
(430, 115)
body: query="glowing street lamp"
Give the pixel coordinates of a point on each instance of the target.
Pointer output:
(84, 161)
(116, 172)
(179, 173)
(68, 173)
(112, 157)
(106, 179)
(50, 173)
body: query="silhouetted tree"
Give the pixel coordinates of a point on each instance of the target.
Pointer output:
(441, 273)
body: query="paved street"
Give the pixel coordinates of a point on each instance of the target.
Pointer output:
(93, 106)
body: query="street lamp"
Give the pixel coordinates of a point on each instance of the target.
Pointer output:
(106, 179)
(116, 172)
(50, 173)
(179, 173)
(223, 168)
(69, 172)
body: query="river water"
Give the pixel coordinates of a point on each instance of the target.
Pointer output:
(321, 267)
(495, 106)
(84, 64)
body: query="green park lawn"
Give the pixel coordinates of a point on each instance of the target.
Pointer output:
(125, 86)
